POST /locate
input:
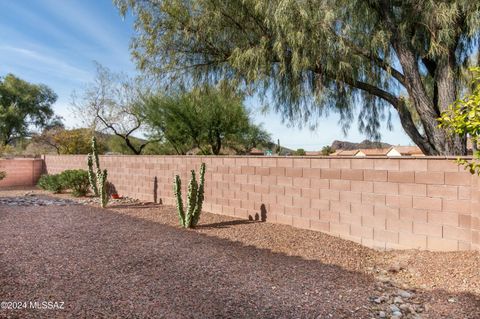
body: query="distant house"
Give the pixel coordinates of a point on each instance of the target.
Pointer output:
(405, 151)
(345, 153)
(373, 152)
(256, 152)
(392, 151)
(307, 153)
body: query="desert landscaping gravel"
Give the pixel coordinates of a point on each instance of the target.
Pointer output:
(133, 261)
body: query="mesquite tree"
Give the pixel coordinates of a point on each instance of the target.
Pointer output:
(109, 103)
(321, 55)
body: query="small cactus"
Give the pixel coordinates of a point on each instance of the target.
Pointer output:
(102, 179)
(195, 197)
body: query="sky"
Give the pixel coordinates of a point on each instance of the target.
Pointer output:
(55, 42)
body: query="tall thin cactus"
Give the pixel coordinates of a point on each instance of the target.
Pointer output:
(195, 197)
(200, 197)
(102, 178)
(92, 177)
(191, 199)
(95, 155)
(177, 191)
(98, 180)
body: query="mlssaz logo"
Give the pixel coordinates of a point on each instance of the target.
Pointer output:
(50, 305)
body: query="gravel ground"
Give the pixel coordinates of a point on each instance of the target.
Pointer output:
(133, 261)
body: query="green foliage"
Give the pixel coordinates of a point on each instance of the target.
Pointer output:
(2, 175)
(254, 136)
(76, 141)
(300, 152)
(206, 118)
(327, 150)
(76, 180)
(463, 118)
(103, 188)
(52, 183)
(195, 197)
(315, 57)
(22, 106)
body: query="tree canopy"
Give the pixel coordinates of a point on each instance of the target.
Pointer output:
(23, 106)
(207, 119)
(75, 141)
(109, 103)
(320, 56)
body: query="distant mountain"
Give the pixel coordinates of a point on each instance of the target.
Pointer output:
(366, 144)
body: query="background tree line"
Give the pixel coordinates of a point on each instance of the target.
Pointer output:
(119, 109)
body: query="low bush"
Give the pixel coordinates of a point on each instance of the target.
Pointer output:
(2, 175)
(52, 183)
(77, 180)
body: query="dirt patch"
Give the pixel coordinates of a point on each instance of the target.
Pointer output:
(132, 260)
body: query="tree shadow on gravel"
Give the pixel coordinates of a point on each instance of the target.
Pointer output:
(115, 265)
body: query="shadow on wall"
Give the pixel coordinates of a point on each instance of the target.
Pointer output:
(263, 214)
(156, 200)
(111, 189)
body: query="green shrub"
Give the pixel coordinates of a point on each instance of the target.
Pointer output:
(2, 175)
(77, 180)
(52, 183)
(300, 152)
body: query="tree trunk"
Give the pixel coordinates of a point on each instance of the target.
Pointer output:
(437, 141)
(131, 147)
(216, 144)
(446, 80)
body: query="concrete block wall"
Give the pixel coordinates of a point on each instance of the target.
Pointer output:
(385, 203)
(21, 171)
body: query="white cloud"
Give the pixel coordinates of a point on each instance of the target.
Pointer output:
(44, 62)
(90, 24)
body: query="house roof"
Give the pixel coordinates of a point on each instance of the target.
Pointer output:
(408, 150)
(313, 153)
(345, 153)
(375, 151)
